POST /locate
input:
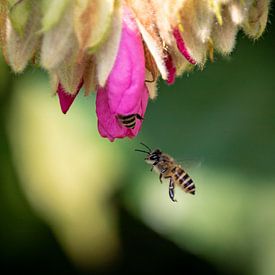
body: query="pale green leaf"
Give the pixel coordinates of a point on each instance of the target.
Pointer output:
(92, 22)
(53, 11)
(19, 12)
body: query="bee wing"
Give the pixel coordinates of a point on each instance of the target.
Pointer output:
(190, 163)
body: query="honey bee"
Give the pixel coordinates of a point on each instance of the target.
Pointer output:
(169, 169)
(129, 121)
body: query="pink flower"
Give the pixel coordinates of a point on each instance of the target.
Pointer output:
(125, 92)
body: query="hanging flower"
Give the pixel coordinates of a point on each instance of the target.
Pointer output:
(125, 93)
(119, 48)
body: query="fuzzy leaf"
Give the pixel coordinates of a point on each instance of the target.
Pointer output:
(106, 54)
(156, 49)
(238, 11)
(92, 21)
(89, 76)
(203, 20)
(19, 12)
(256, 20)
(143, 11)
(216, 7)
(224, 36)
(59, 42)
(21, 48)
(70, 74)
(194, 45)
(166, 13)
(53, 12)
(3, 25)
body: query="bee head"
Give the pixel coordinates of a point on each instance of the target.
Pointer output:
(153, 156)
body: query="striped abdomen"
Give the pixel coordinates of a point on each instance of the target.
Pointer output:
(183, 179)
(129, 121)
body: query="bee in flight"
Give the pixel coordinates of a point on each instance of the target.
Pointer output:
(168, 169)
(129, 121)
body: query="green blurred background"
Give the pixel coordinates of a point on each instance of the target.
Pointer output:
(74, 203)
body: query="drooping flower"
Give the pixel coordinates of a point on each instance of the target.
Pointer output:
(87, 43)
(125, 92)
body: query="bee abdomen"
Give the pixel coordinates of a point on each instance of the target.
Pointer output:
(187, 183)
(129, 121)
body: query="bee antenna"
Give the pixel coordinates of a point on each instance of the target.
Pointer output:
(142, 151)
(150, 150)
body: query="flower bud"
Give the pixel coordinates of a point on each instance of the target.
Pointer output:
(125, 93)
(92, 22)
(203, 20)
(70, 73)
(238, 11)
(54, 10)
(224, 36)
(21, 47)
(256, 20)
(59, 40)
(194, 46)
(19, 14)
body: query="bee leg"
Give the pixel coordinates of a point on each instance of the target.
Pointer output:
(163, 170)
(161, 173)
(171, 190)
(139, 117)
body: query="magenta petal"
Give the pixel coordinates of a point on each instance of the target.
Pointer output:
(171, 69)
(108, 124)
(66, 99)
(181, 46)
(141, 111)
(125, 92)
(126, 81)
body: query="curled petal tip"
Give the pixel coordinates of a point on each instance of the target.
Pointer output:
(182, 47)
(171, 69)
(66, 99)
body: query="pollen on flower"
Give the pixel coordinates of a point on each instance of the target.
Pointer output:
(116, 47)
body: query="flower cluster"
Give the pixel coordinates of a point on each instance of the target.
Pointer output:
(119, 48)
